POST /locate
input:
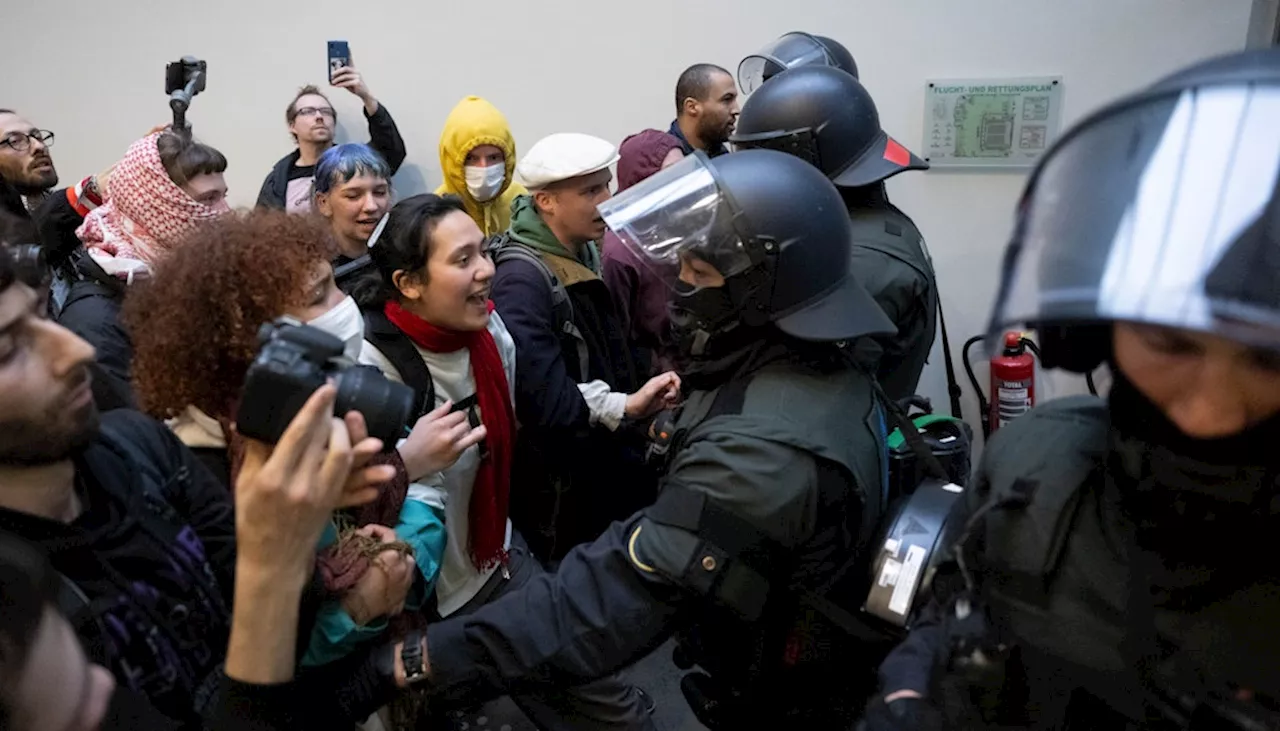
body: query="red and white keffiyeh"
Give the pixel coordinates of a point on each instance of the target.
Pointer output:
(145, 216)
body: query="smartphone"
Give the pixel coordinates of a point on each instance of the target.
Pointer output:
(339, 56)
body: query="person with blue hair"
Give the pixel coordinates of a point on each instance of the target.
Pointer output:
(352, 190)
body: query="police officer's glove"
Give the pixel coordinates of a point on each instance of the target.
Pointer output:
(902, 714)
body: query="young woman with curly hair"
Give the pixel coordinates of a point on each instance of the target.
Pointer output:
(195, 327)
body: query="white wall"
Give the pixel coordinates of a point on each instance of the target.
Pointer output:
(93, 73)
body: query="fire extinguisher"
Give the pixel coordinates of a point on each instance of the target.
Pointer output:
(1013, 380)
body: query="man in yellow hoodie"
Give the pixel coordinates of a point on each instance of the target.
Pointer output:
(477, 158)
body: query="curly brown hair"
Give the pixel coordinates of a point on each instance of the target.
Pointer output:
(194, 323)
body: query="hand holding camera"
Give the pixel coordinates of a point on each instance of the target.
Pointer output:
(438, 440)
(285, 495)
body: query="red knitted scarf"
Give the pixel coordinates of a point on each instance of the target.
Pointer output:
(490, 496)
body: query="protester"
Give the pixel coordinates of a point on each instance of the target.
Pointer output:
(640, 297)
(140, 533)
(706, 109)
(578, 381)
(165, 187)
(353, 193)
(477, 160)
(434, 329)
(243, 273)
(312, 121)
(27, 166)
(25, 162)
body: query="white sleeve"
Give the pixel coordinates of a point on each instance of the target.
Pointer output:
(607, 407)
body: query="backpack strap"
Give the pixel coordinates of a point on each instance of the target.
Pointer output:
(398, 349)
(504, 248)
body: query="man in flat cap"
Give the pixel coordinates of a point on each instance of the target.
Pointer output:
(580, 395)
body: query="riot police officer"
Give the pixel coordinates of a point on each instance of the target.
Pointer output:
(827, 118)
(1115, 565)
(793, 50)
(774, 473)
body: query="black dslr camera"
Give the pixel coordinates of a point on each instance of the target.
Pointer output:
(293, 361)
(183, 79)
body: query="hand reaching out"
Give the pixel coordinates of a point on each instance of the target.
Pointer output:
(660, 392)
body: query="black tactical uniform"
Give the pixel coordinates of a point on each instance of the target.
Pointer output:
(824, 116)
(1108, 579)
(775, 472)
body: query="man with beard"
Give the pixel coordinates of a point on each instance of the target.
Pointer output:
(142, 546)
(24, 158)
(706, 109)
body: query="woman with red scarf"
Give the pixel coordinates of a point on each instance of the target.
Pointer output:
(430, 298)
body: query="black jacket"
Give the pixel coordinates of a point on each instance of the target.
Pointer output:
(384, 137)
(572, 479)
(151, 558)
(92, 311)
(149, 568)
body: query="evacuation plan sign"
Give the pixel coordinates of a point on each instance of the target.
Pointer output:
(992, 123)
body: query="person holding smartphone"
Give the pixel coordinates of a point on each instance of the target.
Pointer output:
(312, 120)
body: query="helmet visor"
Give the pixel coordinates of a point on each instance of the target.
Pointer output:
(791, 50)
(800, 143)
(1164, 212)
(675, 218)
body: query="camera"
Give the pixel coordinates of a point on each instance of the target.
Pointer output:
(30, 265)
(293, 361)
(183, 79)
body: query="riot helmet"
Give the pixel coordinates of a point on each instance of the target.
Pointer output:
(1162, 208)
(772, 226)
(828, 119)
(793, 50)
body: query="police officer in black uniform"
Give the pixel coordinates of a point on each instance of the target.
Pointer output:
(774, 475)
(1115, 565)
(826, 117)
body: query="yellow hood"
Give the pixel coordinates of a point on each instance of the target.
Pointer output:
(475, 122)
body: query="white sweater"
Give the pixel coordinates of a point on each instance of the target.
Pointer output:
(450, 490)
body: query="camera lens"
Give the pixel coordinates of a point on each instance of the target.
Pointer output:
(386, 405)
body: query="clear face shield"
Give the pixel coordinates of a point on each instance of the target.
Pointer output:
(790, 51)
(678, 222)
(1164, 212)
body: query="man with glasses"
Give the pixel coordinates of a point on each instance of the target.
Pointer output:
(312, 120)
(24, 158)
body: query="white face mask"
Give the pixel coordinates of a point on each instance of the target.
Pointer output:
(484, 183)
(345, 323)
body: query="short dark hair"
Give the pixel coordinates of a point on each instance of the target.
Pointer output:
(184, 158)
(29, 586)
(695, 83)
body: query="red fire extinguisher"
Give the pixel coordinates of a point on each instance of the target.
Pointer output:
(1013, 382)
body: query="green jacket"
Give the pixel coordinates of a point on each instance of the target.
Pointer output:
(528, 228)
(892, 262)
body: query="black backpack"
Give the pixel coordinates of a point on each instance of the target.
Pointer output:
(503, 248)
